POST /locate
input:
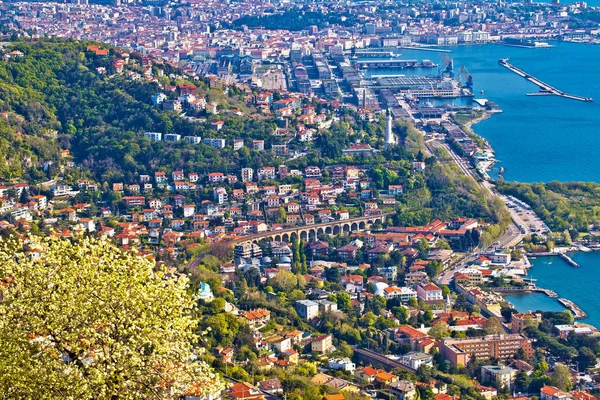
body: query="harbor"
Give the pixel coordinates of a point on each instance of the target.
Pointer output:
(544, 87)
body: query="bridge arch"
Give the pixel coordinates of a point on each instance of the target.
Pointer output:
(312, 235)
(328, 230)
(277, 238)
(337, 230)
(303, 235)
(294, 236)
(354, 227)
(346, 228)
(285, 237)
(320, 231)
(362, 225)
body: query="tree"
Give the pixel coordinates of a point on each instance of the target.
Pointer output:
(439, 330)
(94, 322)
(493, 326)
(561, 377)
(586, 358)
(522, 381)
(284, 281)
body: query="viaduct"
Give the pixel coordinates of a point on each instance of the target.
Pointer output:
(311, 232)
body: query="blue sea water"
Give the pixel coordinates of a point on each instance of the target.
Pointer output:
(579, 285)
(536, 138)
(540, 139)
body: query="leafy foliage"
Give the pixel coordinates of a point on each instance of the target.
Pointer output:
(83, 319)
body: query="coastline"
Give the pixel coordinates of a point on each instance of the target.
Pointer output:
(578, 312)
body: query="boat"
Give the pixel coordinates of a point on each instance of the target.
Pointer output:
(482, 91)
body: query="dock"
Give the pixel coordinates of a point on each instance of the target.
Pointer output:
(568, 259)
(544, 87)
(574, 308)
(527, 289)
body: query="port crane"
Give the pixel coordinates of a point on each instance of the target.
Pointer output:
(465, 79)
(449, 63)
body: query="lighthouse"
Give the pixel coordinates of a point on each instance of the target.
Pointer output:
(390, 139)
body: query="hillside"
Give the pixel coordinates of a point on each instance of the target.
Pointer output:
(58, 96)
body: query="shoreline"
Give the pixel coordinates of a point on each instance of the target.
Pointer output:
(577, 311)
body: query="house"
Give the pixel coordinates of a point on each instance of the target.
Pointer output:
(343, 364)
(347, 252)
(307, 309)
(271, 386)
(552, 393)
(429, 293)
(214, 177)
(244, 391)
(366, 375)
(384, 378)
(257, 318)
(403, 390)
(352, 283)
(322, 344)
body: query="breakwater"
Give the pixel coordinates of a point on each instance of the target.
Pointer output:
(528, 289)
(544, 87)
(574, 308)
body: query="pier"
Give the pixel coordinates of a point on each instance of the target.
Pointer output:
(512, 289)
(544, 87)
(568, 259)
(574, 308)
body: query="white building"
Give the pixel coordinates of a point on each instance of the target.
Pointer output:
(343, 364)
(153, 136)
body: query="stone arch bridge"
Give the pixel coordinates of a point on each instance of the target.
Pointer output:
(311, 232)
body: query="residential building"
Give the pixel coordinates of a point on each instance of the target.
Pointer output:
(307, 309)
(499, 376)
(322, 344)
(460, 351)
(520, 321)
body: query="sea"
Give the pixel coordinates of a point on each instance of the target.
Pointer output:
(540, 139)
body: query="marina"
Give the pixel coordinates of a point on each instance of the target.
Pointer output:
(544, 87)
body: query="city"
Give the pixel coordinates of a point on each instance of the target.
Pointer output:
(296, 195)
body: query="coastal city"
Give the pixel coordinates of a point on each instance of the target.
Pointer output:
(311, 174)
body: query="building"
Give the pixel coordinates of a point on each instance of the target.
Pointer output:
(429, 293)
(322, 344)
(460, 351)
(218, 143)
(403, 390)
(153, 136)
(343, 364)
(402, 293)
(498, 376)
(307, 309)
(520, 321)
(415, 359)
(552, 393)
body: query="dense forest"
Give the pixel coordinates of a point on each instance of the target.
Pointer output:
(563, 206)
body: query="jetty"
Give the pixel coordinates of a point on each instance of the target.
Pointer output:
(574, 308)
(544, 87)
(568, 259)
(526, 289)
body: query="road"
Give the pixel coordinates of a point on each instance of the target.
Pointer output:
(511, 237)
(463, 164)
